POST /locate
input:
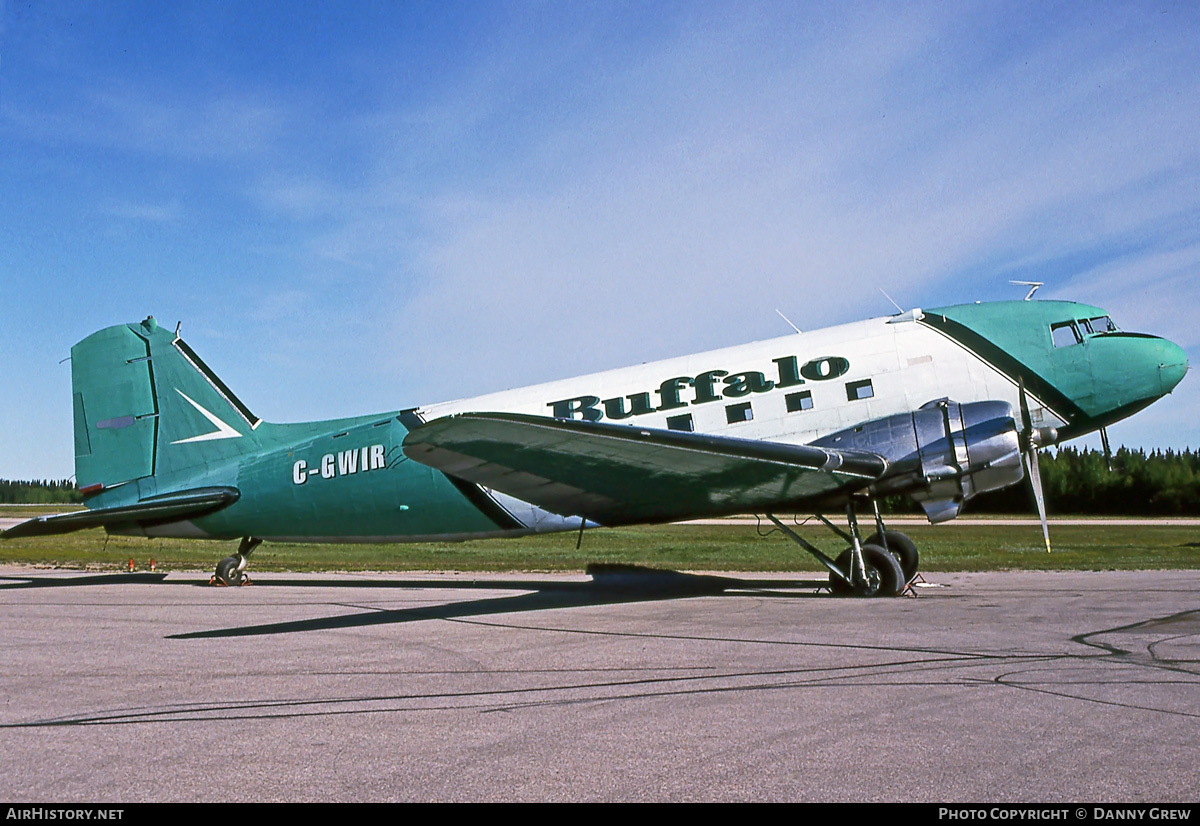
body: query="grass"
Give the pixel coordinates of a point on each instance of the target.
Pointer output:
(681, 547)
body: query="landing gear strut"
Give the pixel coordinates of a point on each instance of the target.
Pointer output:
(882, 566)
(232, 569)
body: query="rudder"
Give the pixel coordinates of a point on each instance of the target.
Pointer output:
(146, 406)
(115, 412)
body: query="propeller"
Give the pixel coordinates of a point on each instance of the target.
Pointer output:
(1107, 450)
(1032, 439)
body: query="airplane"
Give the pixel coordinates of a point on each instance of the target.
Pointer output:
(939, 405)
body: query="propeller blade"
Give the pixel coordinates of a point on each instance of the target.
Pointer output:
(1030, 455)
(1035, 482)
(1107, 451)
(1026, 420)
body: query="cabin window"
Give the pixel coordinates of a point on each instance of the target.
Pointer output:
(1065, 334)
(798, 401)
(683, 422)
(857, 390)
(735, 413)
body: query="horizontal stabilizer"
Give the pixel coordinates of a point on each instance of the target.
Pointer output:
(169, 507)
(617, 475)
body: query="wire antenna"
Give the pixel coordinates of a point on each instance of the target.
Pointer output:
(899, 309)
(788, 320)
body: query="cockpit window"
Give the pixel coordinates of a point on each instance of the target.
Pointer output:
(1065, 334)
(1101, 324)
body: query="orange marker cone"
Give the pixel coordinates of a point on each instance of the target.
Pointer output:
(131, 564)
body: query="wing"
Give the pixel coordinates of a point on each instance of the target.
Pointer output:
(166, 508)
(620, 475)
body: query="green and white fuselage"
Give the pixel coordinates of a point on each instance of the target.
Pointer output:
(154, 425)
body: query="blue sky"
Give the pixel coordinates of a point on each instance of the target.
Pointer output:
(355, 207)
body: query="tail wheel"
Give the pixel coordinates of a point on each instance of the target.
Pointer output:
(885, 577)
(901, 547)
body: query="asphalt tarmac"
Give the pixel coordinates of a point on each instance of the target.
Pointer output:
(1004, 687)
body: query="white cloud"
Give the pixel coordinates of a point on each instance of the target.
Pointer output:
(711, 190)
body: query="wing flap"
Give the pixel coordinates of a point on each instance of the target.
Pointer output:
(168, 507)
(616, 474)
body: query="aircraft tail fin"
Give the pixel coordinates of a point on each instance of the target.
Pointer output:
(148, 410)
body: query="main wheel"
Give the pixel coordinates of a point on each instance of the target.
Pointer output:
(903, 548)
(838, 585)
(227, 571)
(885, 577)
(887, 567)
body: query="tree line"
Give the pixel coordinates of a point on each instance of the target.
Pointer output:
(39, 492)
(1159, 483)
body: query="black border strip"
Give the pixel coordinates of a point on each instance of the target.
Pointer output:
(410, 419)
(485, 504)
(1000, 359)
(216, 382)
(470, 491)
(154, 396)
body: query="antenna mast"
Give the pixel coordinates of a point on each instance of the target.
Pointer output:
(1033, 287)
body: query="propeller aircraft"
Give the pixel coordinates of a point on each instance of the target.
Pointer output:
(939, 405)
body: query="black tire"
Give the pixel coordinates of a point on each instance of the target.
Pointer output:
(904, 549)
(885, 577)
(887, 566)
(227, 571)
(837, 585)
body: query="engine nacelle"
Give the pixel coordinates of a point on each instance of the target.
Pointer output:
(941, 455)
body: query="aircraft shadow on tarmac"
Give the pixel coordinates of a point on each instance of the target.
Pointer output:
(11, 582)
(1137, 648)
(611, 584)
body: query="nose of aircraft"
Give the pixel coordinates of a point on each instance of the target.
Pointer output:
(1130, 371)
(1172, 365)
